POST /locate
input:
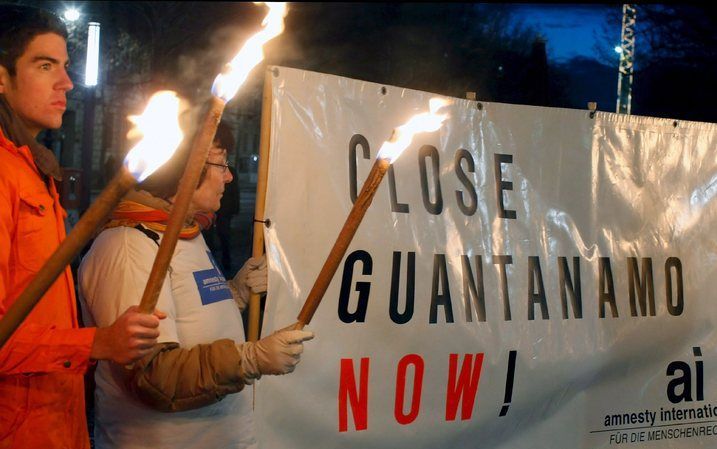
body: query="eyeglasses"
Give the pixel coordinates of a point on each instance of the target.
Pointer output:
(225, 166)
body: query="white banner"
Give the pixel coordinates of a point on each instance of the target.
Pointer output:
(526, 277)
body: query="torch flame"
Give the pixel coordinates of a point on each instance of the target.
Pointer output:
(227, 84)
(420, 123)
(159, 126)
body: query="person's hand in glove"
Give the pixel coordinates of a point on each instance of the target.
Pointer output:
(251, 278)
(276, 354)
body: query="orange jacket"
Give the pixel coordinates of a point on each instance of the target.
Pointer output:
(42, 365)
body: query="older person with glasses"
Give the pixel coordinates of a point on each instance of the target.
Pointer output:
(224, 166)
(219, 236)
(201, 360)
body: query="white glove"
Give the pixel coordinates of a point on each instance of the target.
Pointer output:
(251, 278)
(276, 354)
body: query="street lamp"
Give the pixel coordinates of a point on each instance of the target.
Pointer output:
(88, 125)
(71, 14)
(93, 54)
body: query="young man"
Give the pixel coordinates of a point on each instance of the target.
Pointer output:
(202, 361)
(42, 365)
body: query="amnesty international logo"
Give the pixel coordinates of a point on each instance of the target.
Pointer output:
(211, 284)
(667, 422)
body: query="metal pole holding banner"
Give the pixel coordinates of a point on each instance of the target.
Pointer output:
(627, 58)
(259, 219)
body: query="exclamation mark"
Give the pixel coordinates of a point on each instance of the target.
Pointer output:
(509, 376)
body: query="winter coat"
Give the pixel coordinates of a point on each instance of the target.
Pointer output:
(42, 401)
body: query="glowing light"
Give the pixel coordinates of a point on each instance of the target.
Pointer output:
(618, 49)
(72, 14)
(93, 54)
(159, 126)
(420, 123)
(236, 71)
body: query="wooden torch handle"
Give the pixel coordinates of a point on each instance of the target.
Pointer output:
(363, 201)
(82, 232)
(187, 185)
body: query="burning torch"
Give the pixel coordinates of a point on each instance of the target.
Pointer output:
(389, 152)
(224, 88)
(159, 125)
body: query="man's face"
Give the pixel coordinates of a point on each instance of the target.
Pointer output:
(37, 91)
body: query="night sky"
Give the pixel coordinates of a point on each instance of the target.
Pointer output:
(570, 29)
(432, 47)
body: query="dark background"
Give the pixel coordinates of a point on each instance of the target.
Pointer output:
(496, 50)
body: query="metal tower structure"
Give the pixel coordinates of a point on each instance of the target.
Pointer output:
(627, 53)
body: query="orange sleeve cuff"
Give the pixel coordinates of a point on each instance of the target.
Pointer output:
(38, 349)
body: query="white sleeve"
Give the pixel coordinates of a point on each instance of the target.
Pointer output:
(113, 274)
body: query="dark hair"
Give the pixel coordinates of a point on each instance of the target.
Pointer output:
(19, 24)
(164, 182)
(225, 137)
